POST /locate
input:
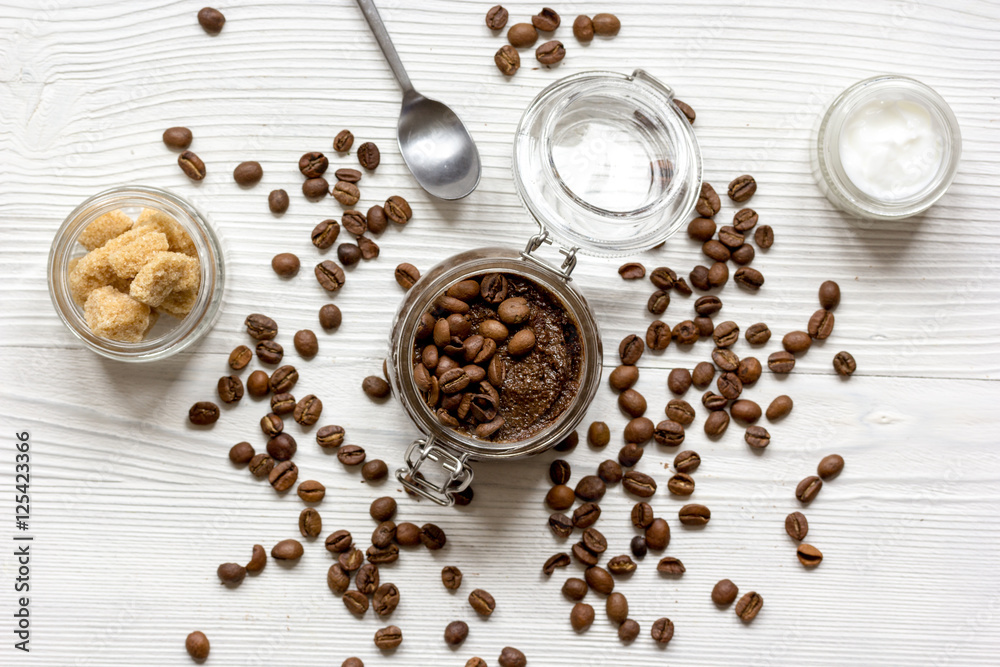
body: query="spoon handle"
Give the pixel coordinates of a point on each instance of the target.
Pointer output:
(385, 43)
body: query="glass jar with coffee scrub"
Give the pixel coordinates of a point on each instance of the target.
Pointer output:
(494, 353)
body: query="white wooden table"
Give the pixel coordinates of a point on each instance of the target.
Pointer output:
(132, 509)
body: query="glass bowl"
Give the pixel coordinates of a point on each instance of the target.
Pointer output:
(169, 335)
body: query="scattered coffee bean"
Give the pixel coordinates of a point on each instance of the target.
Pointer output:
(230, 389)
(830, 466)
(809, 555)
(749, 370)
(330, 276)
(632, 271)
(639, 484)
(623, 377)
(671, 566)
(642, 515)
(715, 250)
(510, 657)
(745, 410)
(241, 452)
(658, 335)
(557, 560)
(269, 352)
(311, 491)
(808, 489)
(680, 411)
(628, 631)
(582, 616)
(338, 541)
(191, 165)
(820, 324)
(177, 137)
(240, 357)
(639, 430)
(203, 413)
(686, 109)
(282, 404)
(681, 484)
(211, 21)
(277, 201)
(261, 465)
(658, 302)
(686, 333)
(742, 188)
(315, 188)
(583, 28)
(708, 201)
(749, 606)
(560, 525)
(343, 141)
(287, 550)
(432, 537)
(796, 341)
(687, 461)
(374, 470)
(197, 643)
(599, 579)
(369, 156)
(781, 362)
(632, 403)
(606, 25)
(702, 229)
(369, 249)
(844, 364)
(729, 385)
(271, 424)
(283, 476)
(568, 443)
(717, 423)
(388, 638)
(258, 559)
(630, 454)
(779, 407)
(764, 236)
(496, 18)
(346, 193)
(829, 295)
(694, 515)
(231, 574)
(330, 436)
(550, 52)
(375, 387)
(285, 264)
(546, 20)
(743, 255)
(522, 35)
(248, 174)
(308, 410)
(679, 380)
(757, 437)
(724, 592)
(482, 602)
(796, 526)
(310, 522)
(703, 374)
(638, 547)
(749, 278)
(590, 488)
(456, 632)
(669, 433)
(662, 631)
(758, 334)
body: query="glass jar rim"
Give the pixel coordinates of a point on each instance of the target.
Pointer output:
(554, 205)
(189, 329)
(855, 200)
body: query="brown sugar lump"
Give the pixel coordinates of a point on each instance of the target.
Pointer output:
(89, 273)
(165, 273)
(117, 316)
(129, 252)
(178, 304)
(103, 229)
(177, 237)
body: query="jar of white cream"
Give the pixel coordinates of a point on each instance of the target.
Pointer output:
(888, 148)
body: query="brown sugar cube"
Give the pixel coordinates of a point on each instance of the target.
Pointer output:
(178, 304)
(103, 229)
(165, 273)
(90, 272)
(116, 316)
(177, 237)
(129, 252)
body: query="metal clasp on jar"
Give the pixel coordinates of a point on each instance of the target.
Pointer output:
(542, 237)
(458, 473)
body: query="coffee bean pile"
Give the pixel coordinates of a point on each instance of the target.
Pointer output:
(524, 35)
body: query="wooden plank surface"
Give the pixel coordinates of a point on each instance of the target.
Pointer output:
(133, 509)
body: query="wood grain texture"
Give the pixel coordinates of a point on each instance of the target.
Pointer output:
(133, 509)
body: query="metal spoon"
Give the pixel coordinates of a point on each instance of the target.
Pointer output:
(434, 142)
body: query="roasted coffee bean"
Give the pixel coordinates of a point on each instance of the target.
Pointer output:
(686, 109)
(715, 250)
(599, 579)
(749, 278)
(269, 352)
(277, 201)
(809, 555)
(708, 305)
(382, 555)
(211, 20)
(779, 407)
(663, 278)
(703, 374)
(781, 362)
(352, 662)
(742, 188)
(681, 484)
(830, 466)
(745, 219)
(758, 334)
(367, 578)
(724, 592)
(557, 560)
(456, 632)
(271, 424)
(764, 236)
(694, 515)
(510, 657)
(546, 20)
(639, 484)
(346, 193)
(514, 310)
(407, 534)
(522, 35)
(726, 334)
(671, 566)
(663, 630)
(384, 534)
(230, 389)
(638, 547)
(631, 349)
(749, 606)
(606, 25)
(261, 327)
(623, 377)
(699, 278)
(657, 535)
(586, 515)
(330, 436)
(406, 275)
(658, 302)
(560, 525)
(282, 404)
(313, 164)
(203, 413)
(743, 255)
(581, 616)
(590, 488)
(642, 515)
(240, 357)
(829, 295)
(283, 476)
(844, 364)
(632, 403)
(559, 471)
(310, 522)
(669, 433)
(796, 341)
(705, 326)
(496, 18)
(630, 454)
(287, 550)
(595, 541)
(796, 526)
(718, 274)
(258, 559)
(708, 202)
(701, 229)
(377, 219)
(725, 359)
(374, 470)
(616, 607)
(281, 447)
(369, 156)
(521, 343)
(351, 559)
(375, 387)
(713, 401)
(482, 602)
(820, 324)
(177, 137)
(338, 541)
(231, 574)
(432, 537)
(354, 222)
(351, 455)
(583, 28)
(325, 234)
(808, 489)
(348, 254)
(679, 380)
(241, 452)
(749, 370)
(687, 461)
(717, 423)
(745, 410)
(757, 437)
(658, 335)
(311, 491)
(261, 465)
(686, 333)
(338, 579)
(680, 411)
(369, 249)
(383, 509)
(610, 471)
(329, 275)
(639, 430)
(315, 188)
(191, 165)
(283, 379)
(343, 141)
(388, 638)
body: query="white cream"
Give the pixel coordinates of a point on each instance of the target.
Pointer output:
(891, 149)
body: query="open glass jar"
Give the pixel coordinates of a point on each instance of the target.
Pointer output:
(607, 164)
(168, 335)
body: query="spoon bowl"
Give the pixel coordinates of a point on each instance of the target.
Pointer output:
(437, 147)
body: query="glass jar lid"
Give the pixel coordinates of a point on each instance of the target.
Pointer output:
(607, 162)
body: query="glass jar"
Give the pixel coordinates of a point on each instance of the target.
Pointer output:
(829, 169)
(169, 335)
(608, 165)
